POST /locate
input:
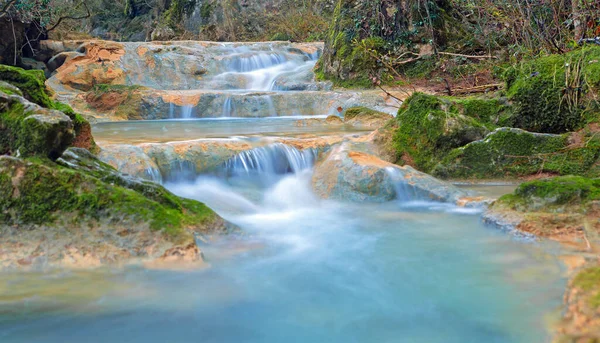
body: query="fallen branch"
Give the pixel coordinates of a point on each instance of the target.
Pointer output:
(391, 95)
(477, 89)
(466, 56)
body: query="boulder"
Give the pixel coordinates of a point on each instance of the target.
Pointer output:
(82, 210)
(510, 152)
(131, 160)
(366, 117)
(30, 84)
(344, 174)
(428, 127)
(27, 129)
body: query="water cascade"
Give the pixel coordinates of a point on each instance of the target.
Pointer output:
(208, 79)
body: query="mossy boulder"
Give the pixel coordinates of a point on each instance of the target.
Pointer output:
(511, 152)
(556, 93)
(551, 195)
(30, 82)
(82, 210)
(428, 127)
(41, 192)
(27, 129)
(31, 85)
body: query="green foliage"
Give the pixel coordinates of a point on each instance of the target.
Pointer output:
(556, 93)
(430, 126)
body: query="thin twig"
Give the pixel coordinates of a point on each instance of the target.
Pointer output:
(390, 94)
(466, 56)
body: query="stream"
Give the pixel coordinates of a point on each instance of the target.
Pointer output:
(295, 268)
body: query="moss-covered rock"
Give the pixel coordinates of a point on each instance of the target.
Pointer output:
(9, 89)
(27, 129)
(428, 127)
(31, 85)
(86, 190)
(510, 152)
(556, 93)
(30, 82)
(551, 195)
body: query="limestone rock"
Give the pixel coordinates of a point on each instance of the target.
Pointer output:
(349, 175)
(366, 117)
(131, 160)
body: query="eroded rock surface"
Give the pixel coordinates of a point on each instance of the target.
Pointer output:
(344, 174)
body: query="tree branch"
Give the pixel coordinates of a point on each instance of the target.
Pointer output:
(7, 7)
(87, 15)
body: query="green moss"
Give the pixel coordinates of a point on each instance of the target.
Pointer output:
(561, 190)
(30, 82)
(31, 85)
(429, 127)
(587, 282)
(514, 152)
(556, 93)
(47, 192)
(588, 279)
(9, 89)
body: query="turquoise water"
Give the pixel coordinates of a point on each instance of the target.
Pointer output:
(301, 269)
(157, 131)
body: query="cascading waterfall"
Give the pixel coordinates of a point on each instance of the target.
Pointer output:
(274, 159)
(250, 63)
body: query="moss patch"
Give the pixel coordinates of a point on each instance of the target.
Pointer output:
(556, 93)
(556, 194)
(30, 82)
(31, 85)
(430, 126)
(514, 153)
(123, 100)
(43, 192)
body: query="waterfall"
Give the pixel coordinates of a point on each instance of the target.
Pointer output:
(250, 63)
(271, 159)
(187, 111)
(228, 109)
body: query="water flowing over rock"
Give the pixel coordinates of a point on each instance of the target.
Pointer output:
(356, 176)
(120, 81)
(269, 162)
